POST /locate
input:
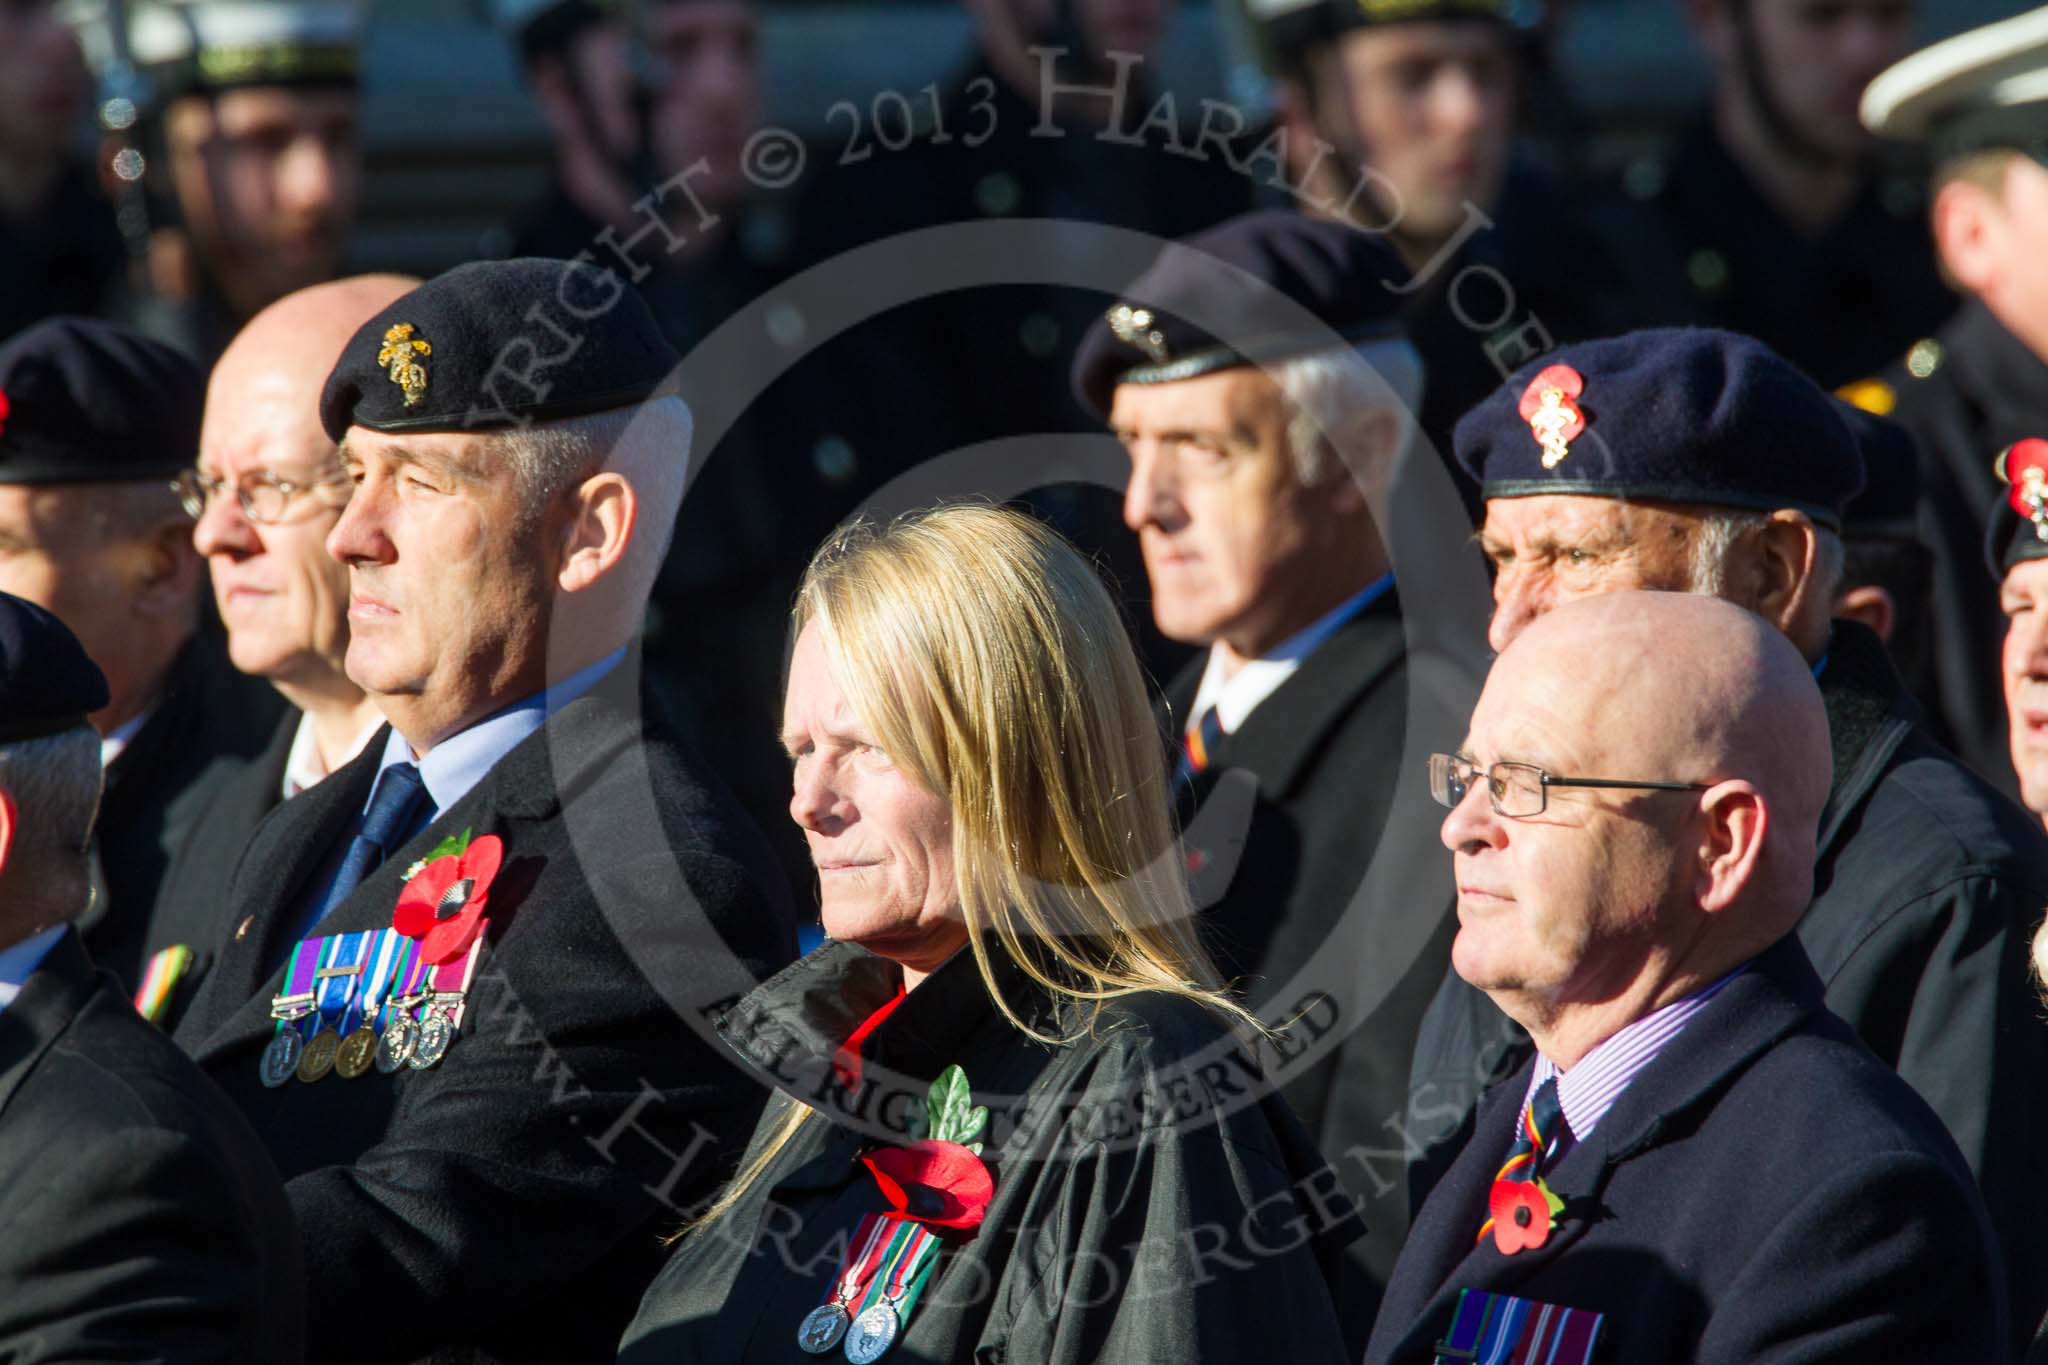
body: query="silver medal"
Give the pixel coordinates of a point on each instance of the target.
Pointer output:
(394, 1049)
(281, 1058)
(822, 1328)
(872, 1334)
(436, 1033)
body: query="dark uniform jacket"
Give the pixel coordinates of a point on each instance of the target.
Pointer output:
(1319, 758)
(1763, 1190)
(140, 1219)
(191, 905)
(1149, 1204)
(506, 1204)
(1700, 246)
(1966, 394)
(1927, 891)
(208, 722)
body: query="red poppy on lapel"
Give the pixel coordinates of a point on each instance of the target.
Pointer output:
(1521, 1215)
(942, 1184)
(442, 904)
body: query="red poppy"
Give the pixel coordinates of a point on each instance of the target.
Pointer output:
(5, 407)
(1521, 1215)
(443, 905)
(938, 1183)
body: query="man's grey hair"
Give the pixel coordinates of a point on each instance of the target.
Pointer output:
(649, 443)
(1715, 538)
(1325, 388)
(54, 781)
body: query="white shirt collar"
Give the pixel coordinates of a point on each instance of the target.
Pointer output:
(118, 738)
(302, 766)
(19, 962)
(1236, 697)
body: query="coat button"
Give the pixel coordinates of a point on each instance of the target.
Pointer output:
(242, 929)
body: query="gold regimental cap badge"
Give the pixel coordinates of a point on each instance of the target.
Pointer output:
(1133, 327)
(400, 358)
(1554, 418)
(2024, 467)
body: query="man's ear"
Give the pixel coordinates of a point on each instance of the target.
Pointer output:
(1780, 571)
(601, 518)
(1732, 830)
(170, 569)
(1873, 606)
(1360, 458)
(1966, 224)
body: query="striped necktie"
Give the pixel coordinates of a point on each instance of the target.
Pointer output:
(1536, 1141)
(1200, 745)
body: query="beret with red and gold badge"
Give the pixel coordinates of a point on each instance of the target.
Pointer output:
(86, 401)
(2018, 526)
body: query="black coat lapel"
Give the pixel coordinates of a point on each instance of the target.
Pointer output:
(50, 999)
(1870, 713)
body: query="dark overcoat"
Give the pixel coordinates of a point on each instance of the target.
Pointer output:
(140, 1219)
(209, 721)
(1151, 1203)
(1325, 750)
(1763, 1190)
(506, 1205)
(1927, 891)
(191, 905)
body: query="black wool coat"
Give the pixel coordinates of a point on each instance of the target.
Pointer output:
(1927, 891)
(1293, 810)
(1763, 1190)
(1149, 1205)
(191, 904)
(140, 1219)
(506, 1205)
(209, 721)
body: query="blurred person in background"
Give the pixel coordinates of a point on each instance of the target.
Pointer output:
(1776, 213)
(255, 159)
(267, 488)
(97, 420)
(59, 250)
(1980, 383)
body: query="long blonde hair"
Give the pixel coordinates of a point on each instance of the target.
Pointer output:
(987, 659)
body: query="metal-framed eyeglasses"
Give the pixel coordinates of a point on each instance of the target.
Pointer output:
(262, 496)
(1520, 790)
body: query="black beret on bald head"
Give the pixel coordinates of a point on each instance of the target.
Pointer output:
(497, 344)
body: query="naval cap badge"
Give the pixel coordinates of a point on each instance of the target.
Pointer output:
(1134, 327)
(2024, 467)
(400, 357)
(1554, 418)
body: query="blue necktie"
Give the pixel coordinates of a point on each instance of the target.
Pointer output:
(394, 808)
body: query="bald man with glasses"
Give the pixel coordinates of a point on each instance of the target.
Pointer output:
(267, 488)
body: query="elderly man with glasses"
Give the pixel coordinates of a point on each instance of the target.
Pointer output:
(266, 490)
(94, 418)
(1701, 1162)
(1698, 461)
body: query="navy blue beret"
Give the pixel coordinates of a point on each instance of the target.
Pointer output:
(1292, 27)
(85, 401)
(2017, 529)
(1342, 276)
(47, 684)
(1689, 415)
(497, 344)
(1889, 505)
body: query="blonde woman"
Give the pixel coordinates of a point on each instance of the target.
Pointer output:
(1017, 1119)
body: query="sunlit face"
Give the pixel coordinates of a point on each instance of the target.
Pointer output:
(450, 595)
(1567, 906)
(708, 95)
(1430, 108)
(2024, 596)
(882, 844)
(56, 551)
(42, 79)
(1818, 55)
(268, 180)
(282, 597)
(1554, 547)
(1230, 536)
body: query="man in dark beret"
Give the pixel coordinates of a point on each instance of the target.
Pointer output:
(1700, 461)
(458, 987)
(1262, 386)
(143, 1218)
(95, 420)
(2016, 552)
(1975, 103)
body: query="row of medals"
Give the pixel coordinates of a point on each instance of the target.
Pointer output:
(406, 1041)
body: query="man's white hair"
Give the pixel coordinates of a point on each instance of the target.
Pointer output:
(1715, 538)
(1325, 388)
(54, 781)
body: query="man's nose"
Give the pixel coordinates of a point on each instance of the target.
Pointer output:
(1518, 599)
(222, 528)
(1150, 492)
